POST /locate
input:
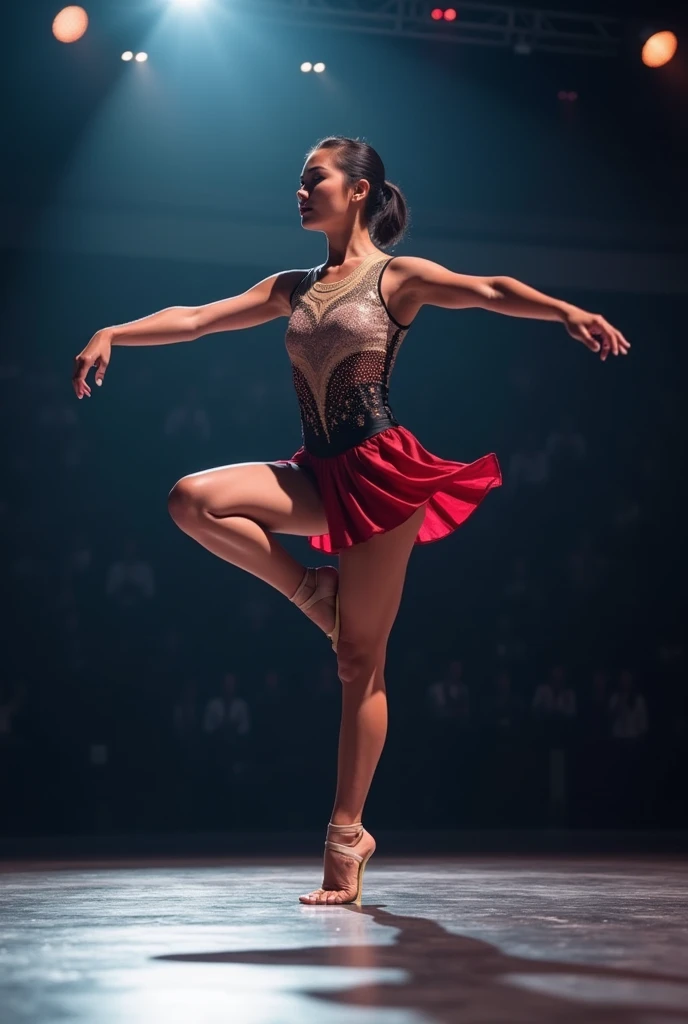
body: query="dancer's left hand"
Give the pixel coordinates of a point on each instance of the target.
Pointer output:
(595, 332)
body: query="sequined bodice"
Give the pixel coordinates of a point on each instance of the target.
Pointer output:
(342, 343)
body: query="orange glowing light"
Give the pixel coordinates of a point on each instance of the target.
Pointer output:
(659, 49)
(70, 24)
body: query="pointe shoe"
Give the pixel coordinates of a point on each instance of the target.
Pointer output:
(347, 851)
(316, 596)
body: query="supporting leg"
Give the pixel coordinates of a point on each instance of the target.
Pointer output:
(370, 587)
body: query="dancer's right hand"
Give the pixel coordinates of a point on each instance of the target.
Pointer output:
(96, 353)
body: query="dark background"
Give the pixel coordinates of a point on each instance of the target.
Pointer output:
(202, 700)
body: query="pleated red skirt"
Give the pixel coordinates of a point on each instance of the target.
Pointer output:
(379, 483)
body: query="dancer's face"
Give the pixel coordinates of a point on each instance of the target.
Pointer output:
(329, 201)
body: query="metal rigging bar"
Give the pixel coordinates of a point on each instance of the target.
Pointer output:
(479, 24)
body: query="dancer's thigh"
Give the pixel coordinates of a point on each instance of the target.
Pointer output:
(282, 497)
(371, 581)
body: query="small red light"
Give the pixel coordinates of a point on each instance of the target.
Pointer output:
(450, 14)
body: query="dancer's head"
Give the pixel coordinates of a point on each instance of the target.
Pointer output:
(344, 187)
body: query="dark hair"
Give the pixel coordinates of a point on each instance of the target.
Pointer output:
(386, 209)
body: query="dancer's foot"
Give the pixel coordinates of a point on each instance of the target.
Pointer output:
(341, 876)
(326, 579)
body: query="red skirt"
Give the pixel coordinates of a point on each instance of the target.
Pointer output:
(379, 483)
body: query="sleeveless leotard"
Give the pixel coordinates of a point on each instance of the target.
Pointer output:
(342, 342)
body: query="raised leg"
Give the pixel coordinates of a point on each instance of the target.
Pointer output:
(234, 511)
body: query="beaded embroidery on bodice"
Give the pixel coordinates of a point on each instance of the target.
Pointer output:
(342, 343)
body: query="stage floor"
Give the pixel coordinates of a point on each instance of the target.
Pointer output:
(455, 939)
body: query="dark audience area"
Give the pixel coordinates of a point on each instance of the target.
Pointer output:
(536, 672)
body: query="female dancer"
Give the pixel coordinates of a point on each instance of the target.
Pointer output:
(361, 485)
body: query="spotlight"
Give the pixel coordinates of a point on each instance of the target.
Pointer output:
(319, 68)
(141, 57)
(127, 55)
(658, 48)
(70, 24)
(306, 66)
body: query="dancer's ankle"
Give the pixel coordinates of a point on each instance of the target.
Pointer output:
(305, 586)
(344, 818)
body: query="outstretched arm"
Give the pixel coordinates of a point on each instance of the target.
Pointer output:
(265, 301)
(435, 285)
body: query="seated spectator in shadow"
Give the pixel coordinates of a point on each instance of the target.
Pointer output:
(188, 421)
(554, 704)
(595, 713)
(274, 707)
(227, 722)
(449, 700)
(592, 777)
(670, 669)
(503, 709)
(554, 698)
(631, 785)
(628, 710)
(130, 582)
(186, 716)
(186, 749)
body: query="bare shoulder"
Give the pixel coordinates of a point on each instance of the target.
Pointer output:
(413, 269)
(405, 276)
(285, 283)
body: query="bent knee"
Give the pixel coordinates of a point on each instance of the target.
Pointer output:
(185, 499)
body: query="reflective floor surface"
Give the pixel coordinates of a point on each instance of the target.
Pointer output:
(469, 940)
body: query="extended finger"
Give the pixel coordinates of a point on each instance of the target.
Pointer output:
(79, 379)
(606, 333)
(613, 339)
(619, 344)
(100, 372)
(588, 340)
(81, 367)
(605, 347)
